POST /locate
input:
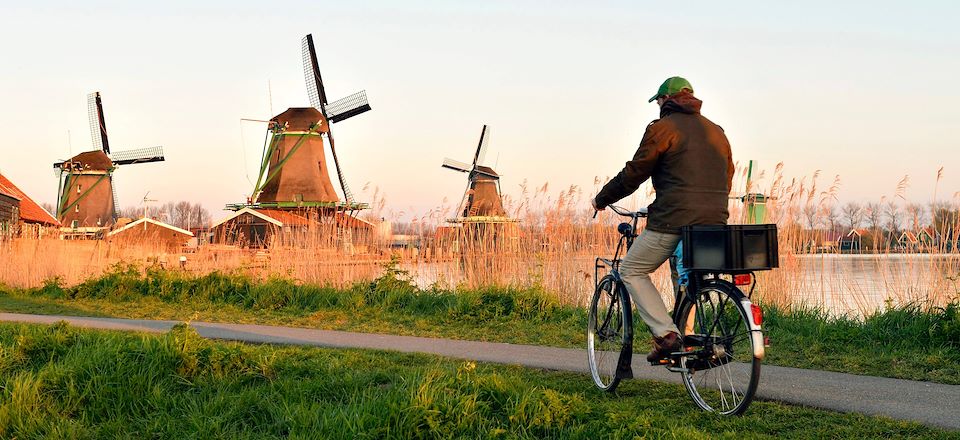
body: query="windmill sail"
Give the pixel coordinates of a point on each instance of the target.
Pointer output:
(345, 108)
(348, 107)
(116, 201)
(140, 155)
(456, 165)
(482, 146)
(311, 71)
(98, 126)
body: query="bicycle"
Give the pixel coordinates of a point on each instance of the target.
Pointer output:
(722, 340)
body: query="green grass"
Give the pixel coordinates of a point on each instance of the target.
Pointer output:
(62, 382)
(905, 343)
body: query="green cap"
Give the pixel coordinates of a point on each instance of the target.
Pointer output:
(671, 86)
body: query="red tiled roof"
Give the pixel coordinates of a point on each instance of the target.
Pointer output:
(30, 211)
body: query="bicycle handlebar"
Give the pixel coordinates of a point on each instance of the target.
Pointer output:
(642, 212)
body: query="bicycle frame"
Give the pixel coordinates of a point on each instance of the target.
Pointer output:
(623, 244)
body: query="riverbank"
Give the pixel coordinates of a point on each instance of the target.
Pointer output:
(908, 342)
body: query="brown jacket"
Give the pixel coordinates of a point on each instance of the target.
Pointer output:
(689, 159)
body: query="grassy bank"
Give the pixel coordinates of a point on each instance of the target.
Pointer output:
(61, 382)
(907, 342)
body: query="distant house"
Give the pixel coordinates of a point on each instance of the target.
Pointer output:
(852, 242)
(917, 241)
(150, 231)
(829, 241)
(927, 236)
(33, 220)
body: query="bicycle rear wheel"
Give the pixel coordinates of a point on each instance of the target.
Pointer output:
(723, 360)
(609, 334)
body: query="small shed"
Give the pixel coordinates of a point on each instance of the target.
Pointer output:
(150, 231)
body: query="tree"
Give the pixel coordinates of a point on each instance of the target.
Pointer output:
(946, 221)
(873, 212)
(874, 215)
(810, 215)
(181, 214)
(47, 206)
(894, 216)
(852, 214)
(832, 217)
(916, 215)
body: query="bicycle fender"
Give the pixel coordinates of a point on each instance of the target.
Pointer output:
(756, 333)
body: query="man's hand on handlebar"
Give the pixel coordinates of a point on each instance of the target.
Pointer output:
(593, 203)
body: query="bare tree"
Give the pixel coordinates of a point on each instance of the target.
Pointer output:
(853, 215)
(47, 206)
(832, 217)
(916, 214)
(894, 216)
(180, 214)
(131, 212)
(810, 215)
(874, 214)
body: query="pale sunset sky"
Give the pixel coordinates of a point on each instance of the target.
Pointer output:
(866, 90)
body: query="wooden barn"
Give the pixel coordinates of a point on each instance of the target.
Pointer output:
(32, 220)
(261, 228)
(153, 232)
(9, 215)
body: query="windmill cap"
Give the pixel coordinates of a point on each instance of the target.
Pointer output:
(671, 86)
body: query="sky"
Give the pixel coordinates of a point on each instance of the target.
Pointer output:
(863, 90)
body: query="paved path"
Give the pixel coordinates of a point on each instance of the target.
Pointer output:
(928, 403)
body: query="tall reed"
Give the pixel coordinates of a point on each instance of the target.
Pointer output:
(554, 243)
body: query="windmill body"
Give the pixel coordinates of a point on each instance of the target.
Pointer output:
(86, 199)
(305, 175)
(86, 203)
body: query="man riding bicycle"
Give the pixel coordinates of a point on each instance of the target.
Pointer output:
(689, 160)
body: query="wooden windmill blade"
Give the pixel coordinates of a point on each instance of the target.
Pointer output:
(348, 107)
(140, 155)
(456, 165)
(98, 125)
(337, 111)
(482, 146)
(311, 72)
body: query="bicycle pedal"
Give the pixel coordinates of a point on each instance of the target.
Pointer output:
(661, 362)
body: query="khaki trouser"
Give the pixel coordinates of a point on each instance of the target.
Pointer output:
(650, 250)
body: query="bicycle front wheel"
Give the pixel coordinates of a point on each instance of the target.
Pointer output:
(609, 334)
(722, 360)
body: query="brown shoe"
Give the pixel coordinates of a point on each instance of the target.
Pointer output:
(663, 346)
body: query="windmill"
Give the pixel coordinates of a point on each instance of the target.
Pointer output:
(293, 170)
(481, 202)
(87, 199)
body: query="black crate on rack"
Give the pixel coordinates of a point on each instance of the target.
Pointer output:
(730, 248)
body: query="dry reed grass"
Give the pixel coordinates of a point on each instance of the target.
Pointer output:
(553, 246)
